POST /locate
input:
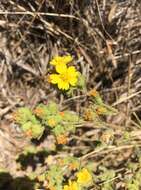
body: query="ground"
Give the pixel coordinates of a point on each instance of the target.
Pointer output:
(104, 40)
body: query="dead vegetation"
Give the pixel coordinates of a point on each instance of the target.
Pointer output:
(105, 39)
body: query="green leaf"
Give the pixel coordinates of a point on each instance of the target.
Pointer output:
(37, 131)
(70, 117)
(26, 126)
(52, 107)
(23, 115)
(81, 81)
(59, 129)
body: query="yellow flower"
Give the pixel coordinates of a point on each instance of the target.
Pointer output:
(62, 139)
(59, 60)
(29, 133)
(65, 78)
(51, 122)
(52, 188)
(16, 116)
(73, 165)
(88, 115)
(71, 186)
(93, 93)
(38, 111)
(84, 178)
(62, 113)
(101, 110)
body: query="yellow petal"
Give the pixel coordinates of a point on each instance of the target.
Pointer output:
(67, 58)
(61, 68)
(72, 71)
(63, 85)
(71, 186)
(73, 81)
(55, 78)
(72, 75)
(66, 86)
(66, 187)
(56, 60)
(84, 177)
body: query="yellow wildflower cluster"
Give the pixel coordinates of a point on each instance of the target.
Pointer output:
(71, 186)
(29, 133)
(51, 122)
(84, 179)
(62, 139)
(101, 110)
(60, 60)
(38, 111)
(73, 166)
(88, 115)
(66, 76)
(15, 116)
(93, 93)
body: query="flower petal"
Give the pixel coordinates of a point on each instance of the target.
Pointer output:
(67, 58)
(73, 81)
(72, 75)
(55, 78)
(84, 177)
(72, 71)
(61, 68)
(56, 60)
(63, 85)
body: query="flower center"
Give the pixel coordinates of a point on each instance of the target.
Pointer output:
(64, 77)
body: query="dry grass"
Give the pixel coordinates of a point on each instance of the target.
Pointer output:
(105, 39)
